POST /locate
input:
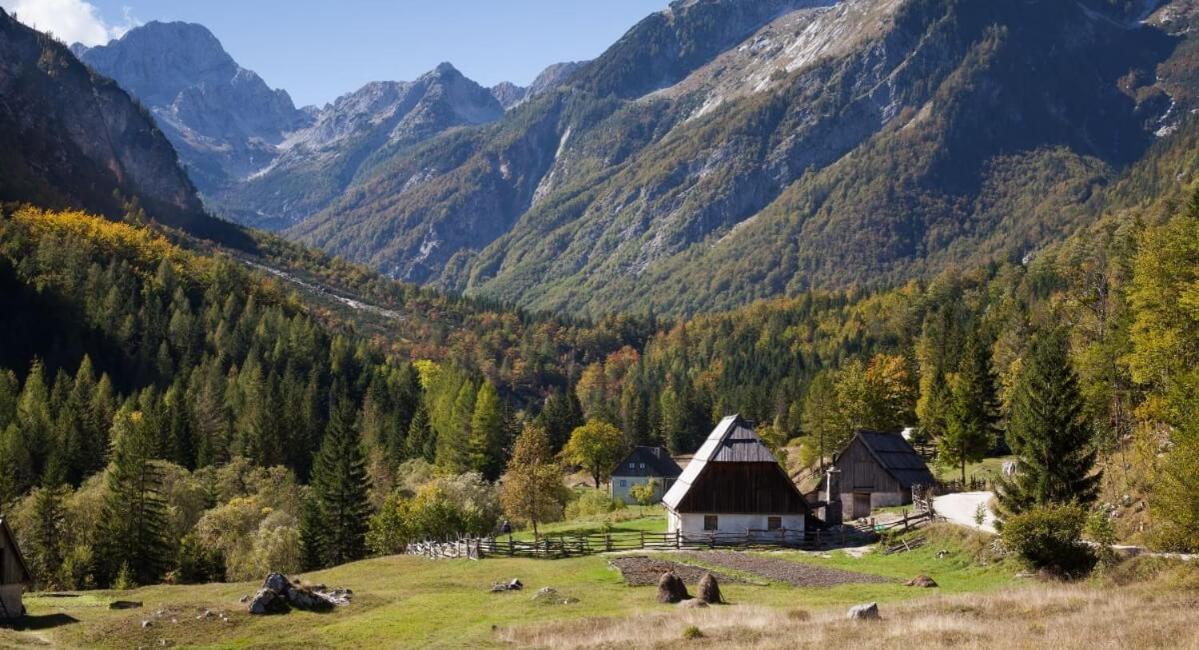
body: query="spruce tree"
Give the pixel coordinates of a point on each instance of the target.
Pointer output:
(421, 443)
(45, 543)
(970, 424)
(340, 489)
(1048, 433)
(134, 523)
(488, 431)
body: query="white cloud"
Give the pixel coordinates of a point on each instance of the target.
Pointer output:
(71, 21)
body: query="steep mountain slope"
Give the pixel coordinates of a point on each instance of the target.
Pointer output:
(71, 138)
(726, 150)
(223, 119)
(349, 137)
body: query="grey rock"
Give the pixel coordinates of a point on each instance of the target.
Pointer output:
(692, 603)
(267, 601)
(867, 612)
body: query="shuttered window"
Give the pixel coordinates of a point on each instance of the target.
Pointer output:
(711, 522)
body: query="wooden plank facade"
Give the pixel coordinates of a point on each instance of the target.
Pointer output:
(878, 470)
(13, 574)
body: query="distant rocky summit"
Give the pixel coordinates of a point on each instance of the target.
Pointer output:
(222, 118)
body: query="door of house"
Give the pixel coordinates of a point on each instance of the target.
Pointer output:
(861, 505)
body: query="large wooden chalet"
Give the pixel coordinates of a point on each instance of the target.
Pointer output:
(878, 470)
(13, 575)
(734, 487)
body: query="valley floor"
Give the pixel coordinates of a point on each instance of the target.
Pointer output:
(406, 602)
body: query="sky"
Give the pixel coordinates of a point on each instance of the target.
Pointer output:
(319, 50)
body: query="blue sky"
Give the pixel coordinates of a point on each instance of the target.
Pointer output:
(319, 50)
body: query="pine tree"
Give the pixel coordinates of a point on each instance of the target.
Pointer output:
(970, 425)
(487, 433)
(823, 422)
(561, 414)
(453, 443)
(1048, 433)
(133, 527)
(421, 443)
(45, 543)
(340, 488)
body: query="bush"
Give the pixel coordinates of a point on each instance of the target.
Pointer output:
(1048, 539)
(591, 503)
(442, 509)
(692, 632)
(197, 563)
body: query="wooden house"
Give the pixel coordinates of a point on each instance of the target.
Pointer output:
(14, 574)
(878, 470)
(735, 487)
(642, 465)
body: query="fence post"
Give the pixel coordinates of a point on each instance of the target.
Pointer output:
(643, 540)
(678, 539)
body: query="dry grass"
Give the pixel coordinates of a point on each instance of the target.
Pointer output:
(1033, 616)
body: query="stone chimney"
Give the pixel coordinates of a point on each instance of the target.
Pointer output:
(832, 497)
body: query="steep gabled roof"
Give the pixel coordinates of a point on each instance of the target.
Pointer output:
(897, 457)
(648, 461)
(732, 441)
(12, 543)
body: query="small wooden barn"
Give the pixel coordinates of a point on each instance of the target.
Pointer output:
(878, 470)
(734, 487)
(642, 465)
(14, 574)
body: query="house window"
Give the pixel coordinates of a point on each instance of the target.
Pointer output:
(632, 465)
(623, 483)
(774, 523)
(642, 465)
(711, 523)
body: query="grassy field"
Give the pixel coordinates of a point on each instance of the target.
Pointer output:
(987, 468)
(412, 602)
(406, 602)
(650, 519)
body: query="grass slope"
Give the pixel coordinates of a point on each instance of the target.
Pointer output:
(411, 602)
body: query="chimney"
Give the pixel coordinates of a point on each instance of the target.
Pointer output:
(832, 497)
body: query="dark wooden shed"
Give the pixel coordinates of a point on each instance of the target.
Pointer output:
(14, 574)
(878, 470)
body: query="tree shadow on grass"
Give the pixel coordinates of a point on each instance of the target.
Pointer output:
(43, 622)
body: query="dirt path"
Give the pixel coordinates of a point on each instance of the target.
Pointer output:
(796, 574)
(962, 507)
(640, 571)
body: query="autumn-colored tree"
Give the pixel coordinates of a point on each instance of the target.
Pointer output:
(531, 488)
(596, 446)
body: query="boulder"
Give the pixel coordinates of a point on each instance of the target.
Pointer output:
(866, 612)
(268, 601)
(671, 589)
(277, 582)
(692, 603)
(512, 585)
(309, 599)
(709, 590)
(924, 582)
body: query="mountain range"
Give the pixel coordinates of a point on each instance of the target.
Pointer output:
(719, 152)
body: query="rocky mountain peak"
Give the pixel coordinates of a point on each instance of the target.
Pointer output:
(222, 118)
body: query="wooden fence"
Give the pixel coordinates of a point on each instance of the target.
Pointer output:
(577, 545)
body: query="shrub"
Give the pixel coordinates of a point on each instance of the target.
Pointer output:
(591, 503)
(644, 492)
(1048, 538)
(692, 632)
(198, 563)
(442, 509)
